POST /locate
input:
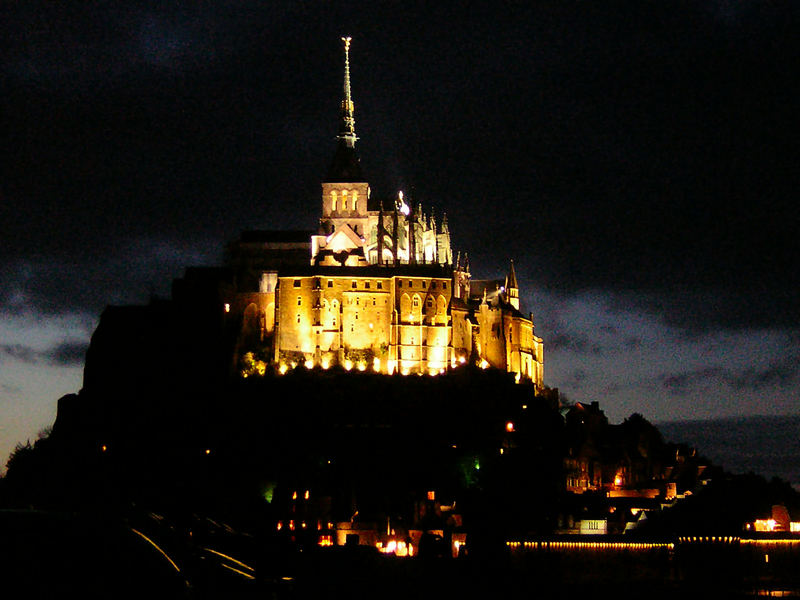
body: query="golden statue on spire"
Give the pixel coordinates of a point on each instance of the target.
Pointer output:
(348, 132)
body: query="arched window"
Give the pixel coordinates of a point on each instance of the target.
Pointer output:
(441, 310)
(416, 315)
(251, 328)
(333, 201)
(405, 307)
(355, 200)
(344, 199)
(269, 318)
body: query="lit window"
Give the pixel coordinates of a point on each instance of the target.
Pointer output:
(333, 201)
(344, 199)
(431, 495)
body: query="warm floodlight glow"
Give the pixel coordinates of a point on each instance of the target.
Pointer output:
(227, 307)
(509, 426)
(362, 366)
(484, 364)
(348, 364)
(403, 207)
(283, 368)
(309, 364)
(376, 364)
(326, 363)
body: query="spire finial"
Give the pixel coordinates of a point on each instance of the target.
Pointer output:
(348, 129)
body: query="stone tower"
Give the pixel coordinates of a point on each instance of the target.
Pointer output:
(345, 190)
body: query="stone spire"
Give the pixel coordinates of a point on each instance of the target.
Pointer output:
(347, 132)
(511, 278)
(512, 287)
(346, 166)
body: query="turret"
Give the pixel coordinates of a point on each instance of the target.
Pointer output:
(512, 288)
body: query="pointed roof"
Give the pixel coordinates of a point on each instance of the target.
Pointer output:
(346, 166)
(511, 280)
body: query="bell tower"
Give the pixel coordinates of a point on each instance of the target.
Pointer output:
(344, 190)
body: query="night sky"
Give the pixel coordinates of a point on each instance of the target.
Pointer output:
(638, 161)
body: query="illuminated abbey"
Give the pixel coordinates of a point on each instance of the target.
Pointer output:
(375, 287)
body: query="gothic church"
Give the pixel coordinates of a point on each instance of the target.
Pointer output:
(375, 287)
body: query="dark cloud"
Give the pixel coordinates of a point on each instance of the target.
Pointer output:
(680, 383)
(573, 342)
(632, 343)
(20, 352)
(11, 389)
(128, 273)
(65, 354)
(68, 354)
(781, 373)
(577, 378)
(644, 150)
